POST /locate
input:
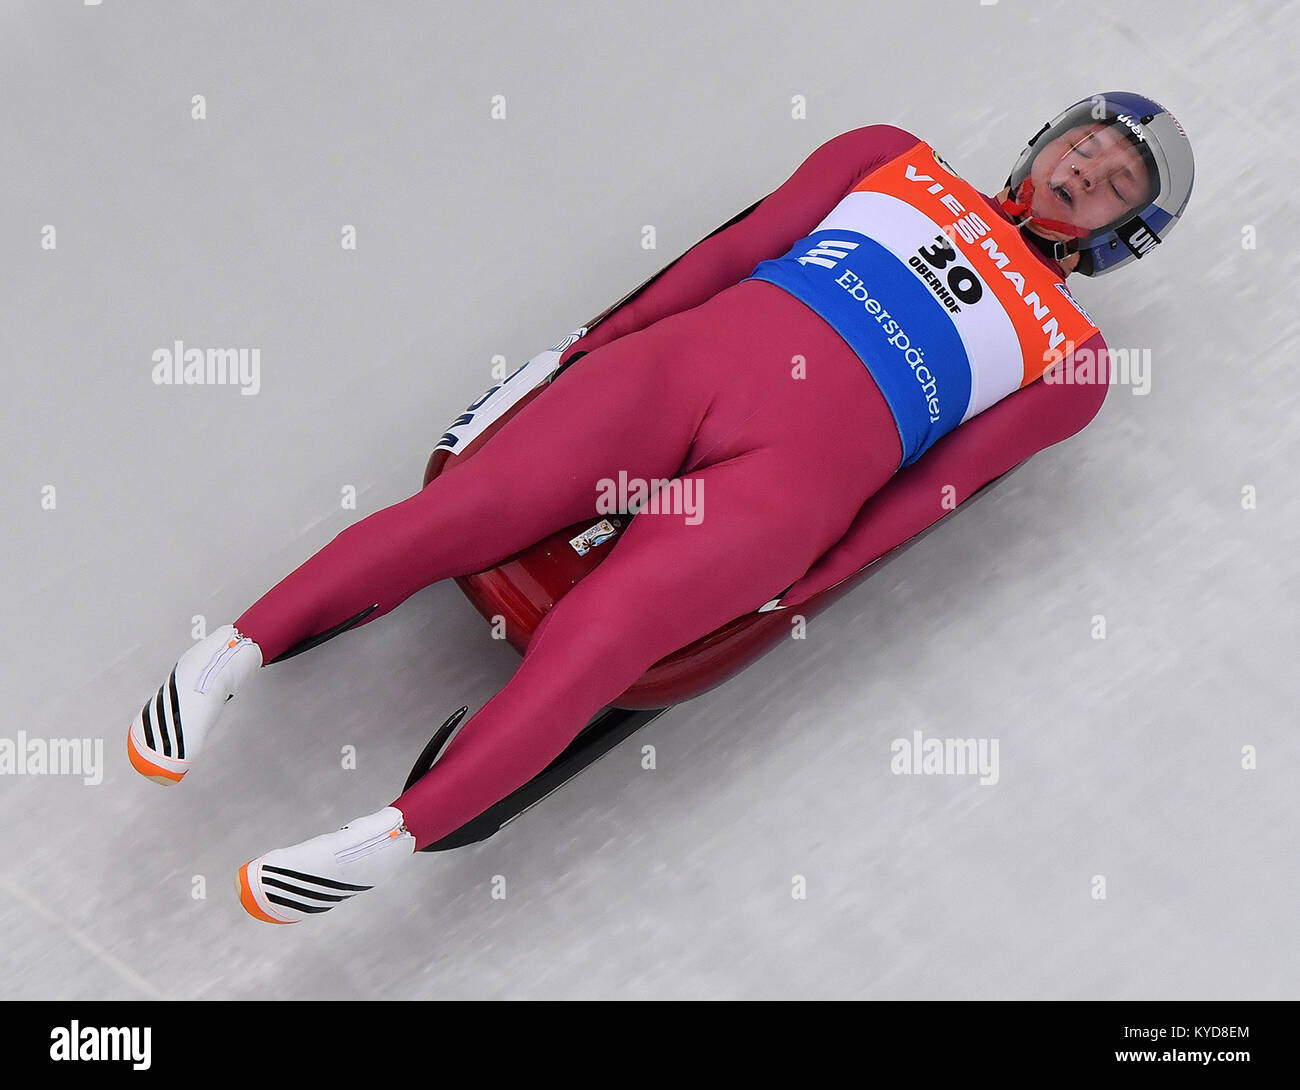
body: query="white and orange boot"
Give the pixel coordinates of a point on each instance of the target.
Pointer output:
(291, 884)
(170, 730)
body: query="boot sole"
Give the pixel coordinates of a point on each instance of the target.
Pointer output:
(147, 768)
(243, 886)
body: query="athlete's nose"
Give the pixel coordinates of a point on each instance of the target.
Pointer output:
(1084, 179)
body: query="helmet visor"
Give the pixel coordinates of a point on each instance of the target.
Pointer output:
(1087, 176)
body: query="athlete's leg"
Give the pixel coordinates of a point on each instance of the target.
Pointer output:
(623, 406)
(767, 514)
(665, 583)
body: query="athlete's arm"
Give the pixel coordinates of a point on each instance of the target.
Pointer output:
(965, 460)
(780, 220)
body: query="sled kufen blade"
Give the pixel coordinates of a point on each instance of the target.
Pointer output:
(602, 734)
(437, 744)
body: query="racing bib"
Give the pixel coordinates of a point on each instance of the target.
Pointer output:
(942, 300)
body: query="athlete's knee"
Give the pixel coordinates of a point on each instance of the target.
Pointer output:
(460, 500)
(604, 638)
(581, 627)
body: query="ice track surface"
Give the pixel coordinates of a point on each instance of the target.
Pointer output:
(1119, 758)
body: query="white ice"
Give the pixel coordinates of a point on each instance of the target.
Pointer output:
(1121, 758)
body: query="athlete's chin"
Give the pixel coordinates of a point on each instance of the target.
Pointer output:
(1043, 232)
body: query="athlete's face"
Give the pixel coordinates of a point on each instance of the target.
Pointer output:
(1088, 176)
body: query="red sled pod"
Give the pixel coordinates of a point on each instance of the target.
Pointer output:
(523, 588)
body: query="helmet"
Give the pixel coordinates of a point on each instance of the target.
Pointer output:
(1079, 177)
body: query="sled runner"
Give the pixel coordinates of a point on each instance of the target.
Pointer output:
(524, 587)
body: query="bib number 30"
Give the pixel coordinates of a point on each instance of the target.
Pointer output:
(961, 281)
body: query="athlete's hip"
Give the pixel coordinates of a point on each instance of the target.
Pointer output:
(772, 372)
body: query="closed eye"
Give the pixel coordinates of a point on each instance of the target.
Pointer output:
(1091, 141)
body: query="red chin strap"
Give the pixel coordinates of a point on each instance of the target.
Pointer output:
(1020, 204)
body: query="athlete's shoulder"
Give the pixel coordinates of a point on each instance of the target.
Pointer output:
(1082, 379)
(1064, 289)
(887, 140)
